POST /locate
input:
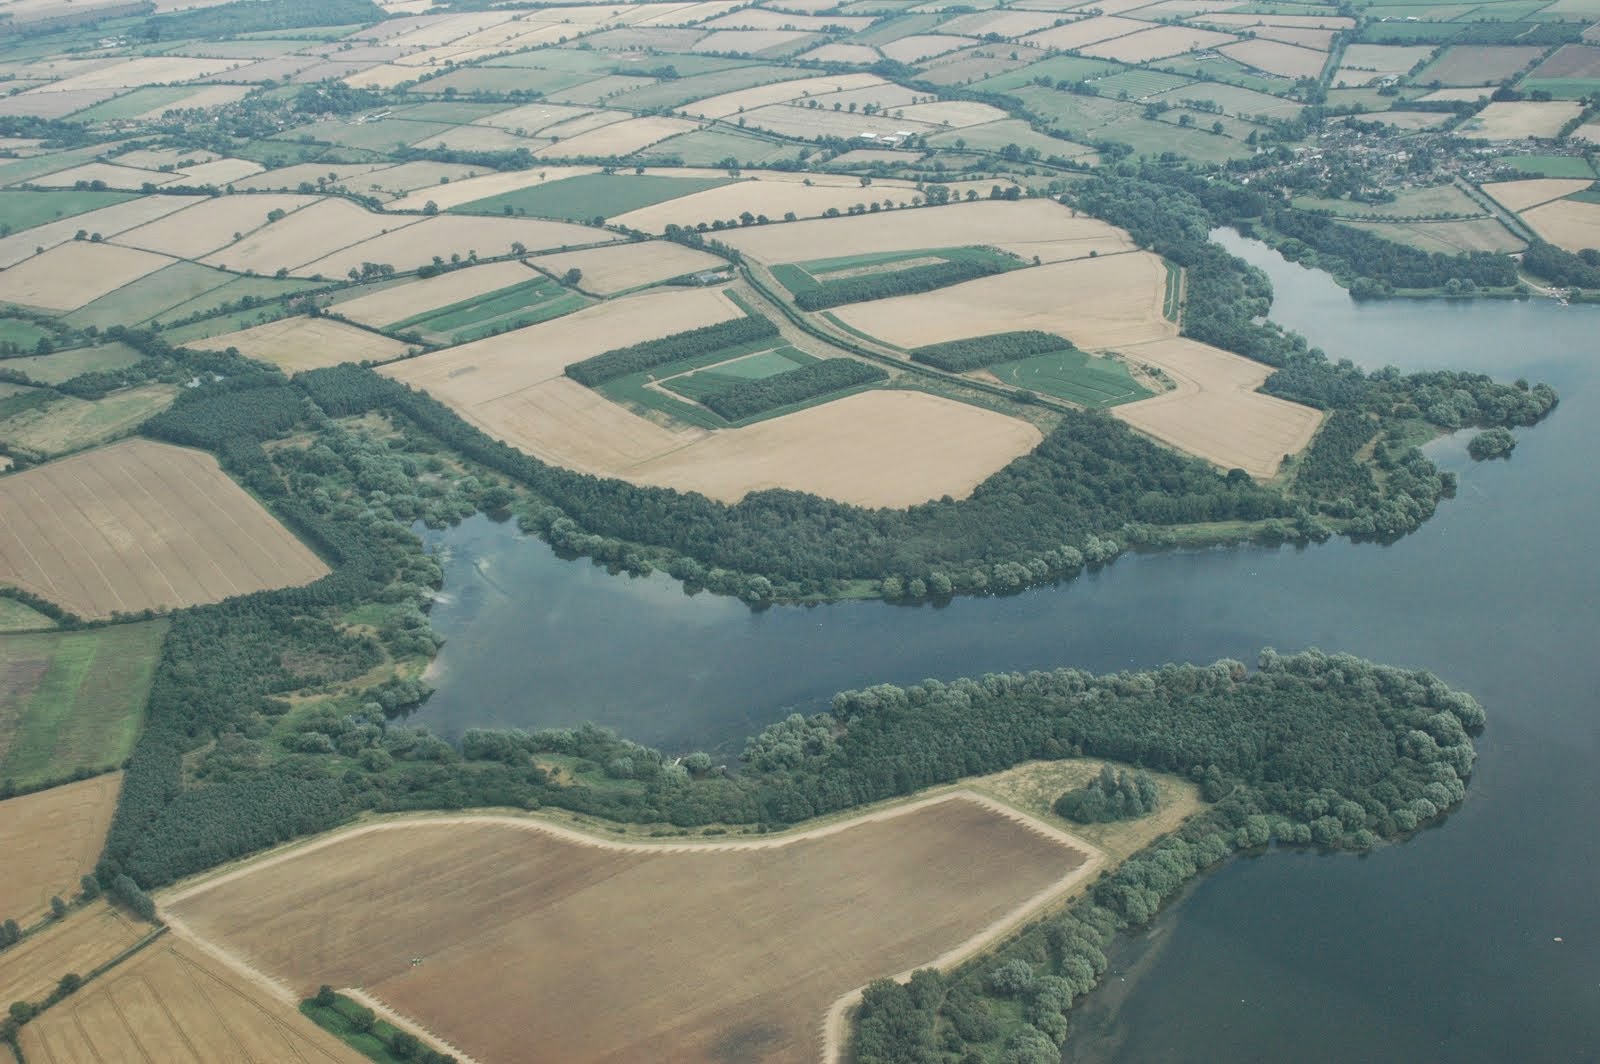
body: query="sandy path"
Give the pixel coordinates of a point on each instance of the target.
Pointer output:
(834, 1027)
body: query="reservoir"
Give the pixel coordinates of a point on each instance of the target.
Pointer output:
(1442, 948)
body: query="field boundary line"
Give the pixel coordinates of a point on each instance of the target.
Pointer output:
(405, 1023)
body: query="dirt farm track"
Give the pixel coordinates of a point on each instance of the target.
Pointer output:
(671, 951)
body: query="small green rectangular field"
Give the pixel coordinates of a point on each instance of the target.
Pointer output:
(1075, 376)
(700, 383)
(71, 700)
(538, 299)
(591, 196)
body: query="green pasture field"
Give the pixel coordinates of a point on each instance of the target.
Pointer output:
(1075, 376)
(896, 28)
(134, 103)
(1561, 88)
(529, 303)
(451, 111)
(266, 288)
(150, 295)
(709, 147)
(21, 210)
(680, 93)
(23, 333)
(65, 365)
(84, 711)
(15, 617)
(16, 171)
(1234, 100)
(799, 277)
(700, 383)
(1549, 165)
(1408, 203)
(631, 390)
(1172, 301)
(1057, 69)
(591, 195)
(1227, 71)
(993, 136)
(1141, 83)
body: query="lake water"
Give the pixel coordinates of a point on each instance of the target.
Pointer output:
(1441, 949)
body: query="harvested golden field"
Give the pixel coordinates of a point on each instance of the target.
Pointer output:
(307, 234)
(50, 839)
(301, 342)
(609, 951)
(1158, 43)
(561, 422)
(1215, 411)
(822, 88)
(610, 270)
(919, 46)
(1520, 195)
(771, 198)
(753, 42)
(220, 172)
(107, 221)
(843, 53)
(1521, 118)
(142, 525)
(134, 71)
(1085, 32)
(1276, 57)
(1570, 224)
(1246, 21)
(1107, 302)
(80, 943)
(808, 123)
(210, 223)
(402, 301)
(621, 138)
(455, 234)
(952, 113)
(74, 273)
(173, 1003)
(475, 188)
(1025, 228)
(874, 448)
(114, 176)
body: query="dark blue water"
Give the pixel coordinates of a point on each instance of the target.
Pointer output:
(1439, 949)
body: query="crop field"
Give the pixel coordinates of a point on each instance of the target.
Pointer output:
(171, 1002)
(72, 274)
(1157, 43)
(305, 235)
(142, 525)
(1571, 224)
(456, 234)
(69, 423)
(210, 224)
(823, 89)
(302, 342)
(1110, 301)
(107, 221)
(598, 946)
(764, 197)
(52, 838)
(534, 300)
(1276, 57)
(64, 365)
(1522, 118)
(874, 448)
(79, 943)
(1571, 61)
(1449, 238)
(1521, 195)
(1075, 376)
(23, 210)
(73, 700)
(150, 295)
(591, 196)
(1574, 166)
(1407, 203)
(698, 383)
(609, 270)
(1469, 64)
(1025, 228)
(414, 298)
(1215, 411)
(1078, 35)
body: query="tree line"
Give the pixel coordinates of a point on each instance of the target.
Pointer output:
(905, 282)
(962, 356)
(636, 358)
(749, 398)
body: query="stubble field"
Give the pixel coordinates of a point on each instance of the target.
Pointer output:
(174, 1004)
(1571, 224)
(142, 525)
(613, 952)
(402, 301)
(79, 943)
(50, 839)
(301, 342)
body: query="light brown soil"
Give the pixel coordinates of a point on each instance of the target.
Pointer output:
(51, 839)
(141, 525)
(1085, 32)
(748, 99)
(456, 234)
(304, 235)
(1521, 118)
(300, 342)
(875, 448)
(1159, 43)
(107, 221)
(174, 1004)
(1521, 195)
(609, 952)
(771, 198)
(1276, 57)
(483, 186)
(78, 944)
(210, 223)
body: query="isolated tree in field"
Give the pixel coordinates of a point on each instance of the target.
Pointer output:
(58, 908)
(572, 277)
